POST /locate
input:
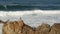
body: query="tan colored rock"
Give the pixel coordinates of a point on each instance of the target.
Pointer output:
(19, 27)
(8, 28)
(55, 28)
(14, 27)
(43, 29)
(27, 30)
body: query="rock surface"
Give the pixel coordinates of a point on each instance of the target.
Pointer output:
(55, 28)
(19, 27)
(43, 29)
(14, 27)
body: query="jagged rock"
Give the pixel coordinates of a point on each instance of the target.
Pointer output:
(55, 28)
(27, 30)
(8, 28)
(43, 29)
(14, 27)
(19, 27)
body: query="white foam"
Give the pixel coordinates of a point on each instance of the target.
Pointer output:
(5, 15)
(15, 15)
(21, 13)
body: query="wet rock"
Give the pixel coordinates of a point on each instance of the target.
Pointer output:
(55, 28)
(43, 29)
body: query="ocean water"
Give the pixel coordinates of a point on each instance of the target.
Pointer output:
(23, 8)
(30, 2)
(14, 5)
(33, 18)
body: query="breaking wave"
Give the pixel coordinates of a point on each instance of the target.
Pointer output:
(20, 13)
(33, 17)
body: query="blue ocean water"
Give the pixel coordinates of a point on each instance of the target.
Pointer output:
(29, 4)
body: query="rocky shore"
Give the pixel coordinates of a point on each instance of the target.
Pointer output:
(19, 27)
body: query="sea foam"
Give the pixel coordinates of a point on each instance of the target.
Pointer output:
(32, 17)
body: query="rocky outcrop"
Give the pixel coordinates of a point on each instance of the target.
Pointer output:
(55, 28)
(19, 27)
(43, 29)
(14, 27)
(27, 30)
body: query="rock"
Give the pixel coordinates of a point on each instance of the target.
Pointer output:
(8, 28)
(14, 27)
(43, 29)
(27, 30)
(19, 27)
(55, 28)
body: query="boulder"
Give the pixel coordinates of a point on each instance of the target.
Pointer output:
(27, 30)
(8, 28)
(12, 27)
(55, 28)
(43, 29)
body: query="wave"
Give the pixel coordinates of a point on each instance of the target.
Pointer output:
(15, 15)
(21, 13)
(33, 17)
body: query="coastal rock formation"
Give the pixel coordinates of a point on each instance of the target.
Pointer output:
(8, 28)
(43, 29)
(55, 28)
(27, 30)
(19, 27)
(14, 27)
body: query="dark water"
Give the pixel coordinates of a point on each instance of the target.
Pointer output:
(29, 5)
(29, 2)
(16, 8)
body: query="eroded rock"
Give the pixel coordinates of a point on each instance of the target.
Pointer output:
(55, 28)
(27, 30)
(14, 27)
(43, 29)
(19, 27)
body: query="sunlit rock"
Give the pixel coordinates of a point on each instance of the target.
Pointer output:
(43, 29)
(12, 27)
(27, 30)
(55, 28)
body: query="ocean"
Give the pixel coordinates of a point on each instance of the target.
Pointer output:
(23, 8)
(32, 12)
(16, 5)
